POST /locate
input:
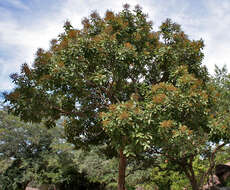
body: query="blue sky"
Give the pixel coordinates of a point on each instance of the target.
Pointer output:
(26, 25)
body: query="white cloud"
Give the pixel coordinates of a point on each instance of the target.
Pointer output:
(216, 33)
(21, 41)
(21, 37)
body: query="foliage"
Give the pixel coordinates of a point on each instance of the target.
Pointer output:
(86, 70)
(163, 177)
(220, 117)
(100, 168)
(32, 153)
(97, 167)
(20, 143)
(171, 120)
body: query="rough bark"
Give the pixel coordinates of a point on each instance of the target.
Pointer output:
(122, 168)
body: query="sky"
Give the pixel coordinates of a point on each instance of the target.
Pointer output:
(26, 25)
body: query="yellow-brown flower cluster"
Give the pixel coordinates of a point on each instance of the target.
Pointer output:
(124, 115)
(197, 84)
(151, 35)
(63, 44)
(166, 123)
(73, 34)
(102, 114)
(86, 23)
(97, 38)
(137, 110)
(183, 128)
(204, 95)
(94, 15)
(124, 24)
(190, 132)
(105, 122)
(109, 15)
(183, 69)
(128, 45)
(162, 85)
(112, 107)
(186, 78)
(60, 64)
(170, 87)
(159, 98)
(157, 86)
(129, 105)
(135, 97)
(26, 69)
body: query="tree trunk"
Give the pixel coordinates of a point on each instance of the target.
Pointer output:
(194, 184)
(191, 176)
(122, 168)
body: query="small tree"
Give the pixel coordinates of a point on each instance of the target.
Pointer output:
(86, 72)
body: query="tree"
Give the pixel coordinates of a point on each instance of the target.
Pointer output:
(221, 82)
(33, 154)
(20, 143)
(85, 72)
(220, 117)
(171, 120)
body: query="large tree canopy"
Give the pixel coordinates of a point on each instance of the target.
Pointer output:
(86, 71)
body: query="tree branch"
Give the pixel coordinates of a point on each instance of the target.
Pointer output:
(212, 163)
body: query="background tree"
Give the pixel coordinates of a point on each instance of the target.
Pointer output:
(19, 142)
(219, 119)
(221, 83)
(86, 71)
(33, 154)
